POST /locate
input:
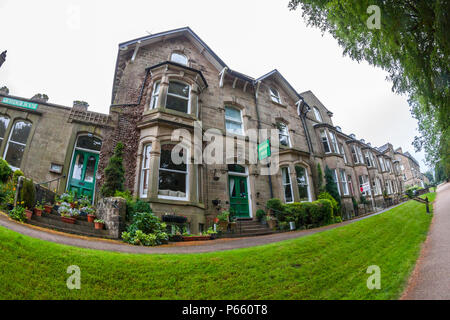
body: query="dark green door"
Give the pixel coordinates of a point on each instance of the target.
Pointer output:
(82, 173)
(239, 196)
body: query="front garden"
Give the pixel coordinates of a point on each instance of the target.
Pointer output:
(326, 265)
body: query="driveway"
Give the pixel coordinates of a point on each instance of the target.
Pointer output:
(431, 277)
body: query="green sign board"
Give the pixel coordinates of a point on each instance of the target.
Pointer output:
(264, 150)
(20, 103)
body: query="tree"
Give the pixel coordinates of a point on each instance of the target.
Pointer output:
(320, 178)
(412, 44)
(331, 186)
(430, 177)
(114, 173)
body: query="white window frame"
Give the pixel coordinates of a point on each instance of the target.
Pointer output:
(289, 183)
(317, 114)
(180, 55)
(334, 142)
(145, 170)
(155, 95)
(342, 150)
(19, 143)
(355, 155)
(307, 181)
(234, 121)
(335, 179)
(344, 182)
(275, 95)
(360, 155)
(2, 138)
(160, 196)
(322, 133)
(180, 97)
(365, 179)
(285, 133)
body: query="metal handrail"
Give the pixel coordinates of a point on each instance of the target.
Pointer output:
(49, 181)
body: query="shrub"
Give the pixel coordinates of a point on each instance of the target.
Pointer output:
(16, 176)
(331, 186)
(18, 213)
(317, 213)
(28, 193)
(325, 210)
(114, 173)
(260, 214)
(146, 229)
(5, 170)
(320, 178)
(334, 203)
(298, 212)
(277, 208)
(224, 216)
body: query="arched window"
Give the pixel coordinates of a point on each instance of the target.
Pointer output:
(275, 95)
(178, 96)
(179, 58)
(317, 114)
(4, 122)
(89, 142)
(173, 173)
(16, 143)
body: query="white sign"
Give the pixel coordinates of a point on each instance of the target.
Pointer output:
(365, 187)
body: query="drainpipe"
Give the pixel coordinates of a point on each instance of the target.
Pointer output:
(256, 87)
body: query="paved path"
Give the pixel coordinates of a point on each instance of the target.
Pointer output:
(180, 247)
(431, 277)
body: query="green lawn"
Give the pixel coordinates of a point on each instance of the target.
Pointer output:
(327, 265)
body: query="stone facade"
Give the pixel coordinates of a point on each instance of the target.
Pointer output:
(113, 211)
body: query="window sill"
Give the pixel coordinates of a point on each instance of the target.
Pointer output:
(279, 104)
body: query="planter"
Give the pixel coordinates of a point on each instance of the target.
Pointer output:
(48, 208)
(99, 225)
(175, 237)
(90, 218)
(29, 214)
(69, 220)
(272, 224)
(223, 225)
(196, 238)
(38, 212)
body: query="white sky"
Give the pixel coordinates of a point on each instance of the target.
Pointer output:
(68, 49)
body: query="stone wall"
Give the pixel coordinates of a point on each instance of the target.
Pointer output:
(113, 211)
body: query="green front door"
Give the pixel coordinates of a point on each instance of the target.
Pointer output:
(82, 173)
(239, 196)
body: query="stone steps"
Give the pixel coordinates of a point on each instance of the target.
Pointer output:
(81, 226)
(248, 228)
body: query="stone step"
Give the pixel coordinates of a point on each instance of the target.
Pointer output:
(247, 234)
(80, 227)
(80, 220)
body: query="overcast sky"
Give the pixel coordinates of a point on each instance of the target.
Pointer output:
(67, 50)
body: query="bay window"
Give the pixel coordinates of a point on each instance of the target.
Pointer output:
(335, 179)
(334, 142)
(341, 147)
(233, 121)
(173, 176)
(344, 182)
(155, 96)
(287, 185)
(17, 143)
(382, 165)
(145, 170)
(324, 137)
(302, 183)
(178, 97)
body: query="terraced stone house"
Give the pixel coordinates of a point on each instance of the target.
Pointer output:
(173, 81)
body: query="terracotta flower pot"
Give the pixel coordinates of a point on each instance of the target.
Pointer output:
(29, 214)
(90, 218)
(48, 208)
(70, 220)
(72, 205)
(38, 212)
(99, 225)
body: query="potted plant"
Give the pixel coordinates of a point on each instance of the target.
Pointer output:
(99, 224)
(48, 207)
(67, 214)
(212, 233)
(90, 212)
(223, 220)
(38, 209)
(271, 221)
(18, 213)
(28, 194)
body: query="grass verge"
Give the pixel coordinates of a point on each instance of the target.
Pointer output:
(327, 265)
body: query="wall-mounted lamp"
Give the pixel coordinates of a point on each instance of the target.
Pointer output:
(216, 176)
(216, 202)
